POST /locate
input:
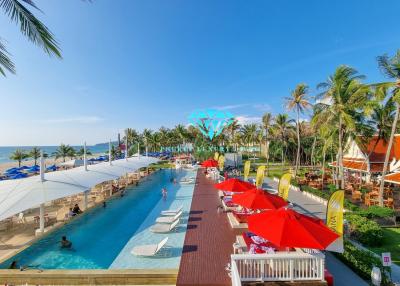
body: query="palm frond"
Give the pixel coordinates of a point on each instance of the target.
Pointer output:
(5, 61)
(30, 26)
(385, 66)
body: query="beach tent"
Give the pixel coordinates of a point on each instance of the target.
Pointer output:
(19, 195)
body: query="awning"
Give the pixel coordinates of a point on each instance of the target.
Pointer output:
(393, 178)
(19, 195)
(360, 166)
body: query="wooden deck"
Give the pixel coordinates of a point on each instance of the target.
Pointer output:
(209, 238)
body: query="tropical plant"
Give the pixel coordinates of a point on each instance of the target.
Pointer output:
(64, 151)
(342, 103)
(299, 102)
(81, 152)
(283, 129)
(391, 68)
(267, 121)
(35, 154)
(31, 27)
(19, 155)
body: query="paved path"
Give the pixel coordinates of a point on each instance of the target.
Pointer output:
(343, 275)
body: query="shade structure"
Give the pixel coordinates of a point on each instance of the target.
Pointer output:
(234, 185)
(287, 228)
(258, 199)
(72, 163)
(209, 163)
(19, 195)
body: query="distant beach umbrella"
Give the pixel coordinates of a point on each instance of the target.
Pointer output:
(33, 169)
(18, 176)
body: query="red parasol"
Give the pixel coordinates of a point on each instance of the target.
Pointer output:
(234, 185)
(258, 199)
(287, 228)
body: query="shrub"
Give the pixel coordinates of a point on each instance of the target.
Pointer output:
(366, 231)
(377, 212)
(362, 261)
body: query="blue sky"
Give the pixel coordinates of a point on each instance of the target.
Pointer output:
(130, 63)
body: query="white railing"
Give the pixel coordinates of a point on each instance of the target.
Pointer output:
(235, 277)
(277, 267)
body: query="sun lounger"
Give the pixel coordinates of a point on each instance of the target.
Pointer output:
(169, 219)
(163, 227)
(150, 249)
(172, 212)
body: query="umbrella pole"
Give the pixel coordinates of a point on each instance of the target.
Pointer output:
(109, 153)
(84, 156)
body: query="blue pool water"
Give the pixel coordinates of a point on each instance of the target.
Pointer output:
(100, 235)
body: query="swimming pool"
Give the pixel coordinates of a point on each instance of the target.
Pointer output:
(103, 234)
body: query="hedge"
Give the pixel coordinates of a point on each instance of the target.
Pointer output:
(362, 262)
(366, 231)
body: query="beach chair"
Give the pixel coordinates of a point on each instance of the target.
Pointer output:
(172, 212)
(169, 219)
(163, 227)
(149, 249)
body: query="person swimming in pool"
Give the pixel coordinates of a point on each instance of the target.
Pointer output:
(164, 193)
(65, 243)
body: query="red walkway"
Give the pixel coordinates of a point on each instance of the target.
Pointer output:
(208, 241)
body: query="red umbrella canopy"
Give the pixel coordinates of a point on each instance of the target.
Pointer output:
(210, 163)
(259, 199)
(287, 228)
(234, 185)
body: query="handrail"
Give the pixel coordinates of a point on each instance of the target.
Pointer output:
(280, 266)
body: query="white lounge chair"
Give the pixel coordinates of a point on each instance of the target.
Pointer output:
(172, 212)
(164, 227)
(150, 249)
(169, 219)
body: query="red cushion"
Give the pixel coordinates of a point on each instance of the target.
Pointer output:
(328, 278)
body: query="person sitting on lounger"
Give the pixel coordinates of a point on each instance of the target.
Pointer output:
(164, 193)
(76, 209)
(65, 243)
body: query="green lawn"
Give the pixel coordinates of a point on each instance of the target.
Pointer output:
(391, 243)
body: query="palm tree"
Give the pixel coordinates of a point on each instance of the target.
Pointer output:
(30, 27)
(81, 152)
(343, 100)
(282, 128)
(35, 154)
(146, 135)
(391, 68)
(19, 155)
(267, 120)
(299, 102)
(64, 151)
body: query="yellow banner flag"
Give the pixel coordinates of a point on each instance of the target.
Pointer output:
(216, 155)
(221, 162)
(284, 186)
(260, 176)
(246, 170)
(334, 212)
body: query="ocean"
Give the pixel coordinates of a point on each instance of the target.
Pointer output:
(6, 151)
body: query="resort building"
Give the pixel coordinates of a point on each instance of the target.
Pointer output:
(367, 158)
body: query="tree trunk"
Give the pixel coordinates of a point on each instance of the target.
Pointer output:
(298, 145)
(323, 166)
(312, 161)
(19, 163)
(340, 157)
(389, 148)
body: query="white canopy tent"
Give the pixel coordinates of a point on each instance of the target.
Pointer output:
(19, 195)
(73, 163)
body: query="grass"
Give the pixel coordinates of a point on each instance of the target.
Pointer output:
(162, 165)
(390, 243)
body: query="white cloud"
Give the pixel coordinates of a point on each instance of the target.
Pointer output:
(244, 119)
(232, 106)
(76, 119)
(264, 107)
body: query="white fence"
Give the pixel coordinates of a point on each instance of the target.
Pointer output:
(283, 266)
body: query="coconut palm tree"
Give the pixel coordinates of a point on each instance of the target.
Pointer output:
(35, 154)
(391, 68)
(30, 27)
(19, 155)
(267, 121)
(146, 135)
(81, 152)
(64, 151)
(283, 127)
(299, 102)
(341, 103)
